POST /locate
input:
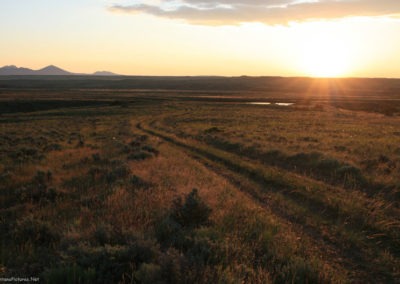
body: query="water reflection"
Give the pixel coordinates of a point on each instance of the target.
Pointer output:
(269, 103)
(259, 103)
(284, 104)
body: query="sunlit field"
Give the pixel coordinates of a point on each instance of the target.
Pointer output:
(200, 180)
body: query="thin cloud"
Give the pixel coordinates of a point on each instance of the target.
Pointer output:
(225, 12)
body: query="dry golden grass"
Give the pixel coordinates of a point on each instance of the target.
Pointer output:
(85, 191)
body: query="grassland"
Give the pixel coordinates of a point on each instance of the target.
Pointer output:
(178, 180)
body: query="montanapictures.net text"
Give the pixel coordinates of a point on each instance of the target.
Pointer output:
(19, 279)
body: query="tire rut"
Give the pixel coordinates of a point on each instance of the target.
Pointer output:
(334, 254)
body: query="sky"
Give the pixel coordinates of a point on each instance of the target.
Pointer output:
(325, 38)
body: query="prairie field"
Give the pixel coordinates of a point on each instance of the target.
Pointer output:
(200, 179)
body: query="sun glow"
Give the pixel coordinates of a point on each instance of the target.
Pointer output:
(325, 57)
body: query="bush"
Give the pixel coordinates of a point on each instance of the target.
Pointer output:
(193, 213)
(79, 183)
(213, 129)
(138, 182)
(42, 177)
(140, 155)
(149, 273)
(112, 263)
(138, 140)
(169, 232)
(37, 190)
(174, 266)
(150, 149)
(69, 274)
(351, 176)
(35, 231)
(25, 154)
(297, 270)
(96, 157)
(120, 172)
(102, 235)
(53, 147)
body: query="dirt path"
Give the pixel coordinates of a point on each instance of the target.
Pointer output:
(333, 254)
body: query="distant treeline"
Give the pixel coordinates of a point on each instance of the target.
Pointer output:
(42, 105)
(205, 83)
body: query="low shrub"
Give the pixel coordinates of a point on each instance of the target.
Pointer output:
(139, 156)
(69, 274)
(213, 129)
(193, 213)
(150, 149)
(149, 273)
(36, 232)
(120, 172)
(169, 232)
(138, 182)
(53, 147)
(111, 264)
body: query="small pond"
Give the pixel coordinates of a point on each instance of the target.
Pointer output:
(269, 103)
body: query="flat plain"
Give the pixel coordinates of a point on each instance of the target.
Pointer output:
(200, 179)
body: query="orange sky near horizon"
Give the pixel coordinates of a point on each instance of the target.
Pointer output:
(153, 40)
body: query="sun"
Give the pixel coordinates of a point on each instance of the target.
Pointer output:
(324, 57)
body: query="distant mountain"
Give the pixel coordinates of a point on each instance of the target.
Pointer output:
(104, 73)
(14, 70)
(51, 70)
